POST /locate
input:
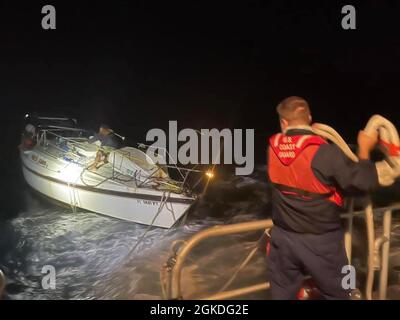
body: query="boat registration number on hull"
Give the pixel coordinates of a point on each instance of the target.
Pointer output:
(148, 202)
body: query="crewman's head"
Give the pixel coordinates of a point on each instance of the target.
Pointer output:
(293, 111)
(105, 130)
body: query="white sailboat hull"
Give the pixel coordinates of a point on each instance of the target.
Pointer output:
(149, 207)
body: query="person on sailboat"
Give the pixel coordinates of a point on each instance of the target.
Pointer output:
(107, 141)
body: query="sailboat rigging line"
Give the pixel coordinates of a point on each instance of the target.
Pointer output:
(243, 264)
(164, 199)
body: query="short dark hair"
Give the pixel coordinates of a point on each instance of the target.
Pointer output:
(105, 126)
(294, 109)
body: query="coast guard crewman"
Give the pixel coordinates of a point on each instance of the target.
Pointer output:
(308, 177)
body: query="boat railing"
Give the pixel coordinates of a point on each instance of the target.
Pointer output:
(2, 283)
(46, 137)
(172, 269)
(44, 140)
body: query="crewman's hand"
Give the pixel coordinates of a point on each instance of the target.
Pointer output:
(366, 143)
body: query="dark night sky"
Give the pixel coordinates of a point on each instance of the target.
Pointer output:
(137, 65)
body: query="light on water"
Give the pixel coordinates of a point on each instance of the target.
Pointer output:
(98, 257)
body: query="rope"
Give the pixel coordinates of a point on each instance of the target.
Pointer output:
(72, 194)
(72, 199)
(331, 134)
(94, 185)
(242, 265)
(164, 199)
(167, 267)
(390, 136)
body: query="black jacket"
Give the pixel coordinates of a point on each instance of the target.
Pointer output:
(110, 140)
(332, 167)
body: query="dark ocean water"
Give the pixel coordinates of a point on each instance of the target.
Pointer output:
(97, 257)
